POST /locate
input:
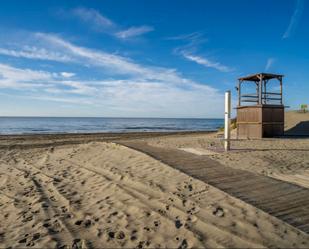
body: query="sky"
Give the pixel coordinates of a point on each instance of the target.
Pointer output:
(154, 58)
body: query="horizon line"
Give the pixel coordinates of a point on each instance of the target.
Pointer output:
(17, 116)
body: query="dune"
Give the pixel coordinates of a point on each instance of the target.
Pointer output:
(102, 194)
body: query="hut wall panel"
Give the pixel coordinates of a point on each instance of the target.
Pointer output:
(249, 131)
(249, 115)
(260, 121)
(273, 114)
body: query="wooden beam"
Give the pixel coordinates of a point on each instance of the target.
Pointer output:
(249, 100)
(271, 93)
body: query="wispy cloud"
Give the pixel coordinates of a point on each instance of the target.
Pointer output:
(112, 63)
(191, 38)
(94, 19)
(11, 77)
(131, 89)
(133, 32)
(35, 53)
(126, 97)
(71, 100)
(101, 23)
(206, 62)
(126, 87)
(269, 63)
(190, 41)
(188, 51)
(294, 19)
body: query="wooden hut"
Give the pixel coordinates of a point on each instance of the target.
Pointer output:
(260, 114)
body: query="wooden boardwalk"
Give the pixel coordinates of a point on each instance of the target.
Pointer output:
(286, 201)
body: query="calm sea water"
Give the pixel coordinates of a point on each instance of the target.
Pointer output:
(24, 125)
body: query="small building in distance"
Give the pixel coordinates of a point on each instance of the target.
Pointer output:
(260, 113)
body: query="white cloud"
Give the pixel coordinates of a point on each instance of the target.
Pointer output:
(117, 65)
(35, 53)
(270, 62)
(101, 23)
(114, 63)
(94, 18)
(80, 87)
(67, 74)
(151, 99)
(294, 19)
(133, 32)
(126, 97)
(194, 36)
(11, 77)
(192, 40)
(17, 78)
(206, 62)
(71, 100)
(134, 90)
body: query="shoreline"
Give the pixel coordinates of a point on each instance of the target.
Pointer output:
(44, 140)
(108, 133)
(102, 135)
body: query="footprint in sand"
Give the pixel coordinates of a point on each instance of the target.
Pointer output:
(218, 212)
(121, 235)
(157, 223)
(133, 235)
(78, 244)
(79, 222)
(87, 223)
(178, 224)
(184, 244)
(22, 241)
(111, 235)
(36, 236)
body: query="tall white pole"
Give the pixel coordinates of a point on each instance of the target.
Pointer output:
(227, 120)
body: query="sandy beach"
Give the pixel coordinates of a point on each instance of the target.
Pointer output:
(101, 194)
(154, 124)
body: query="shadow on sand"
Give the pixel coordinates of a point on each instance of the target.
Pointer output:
(301, 129)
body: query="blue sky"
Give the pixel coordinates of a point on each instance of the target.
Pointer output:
(153, 58)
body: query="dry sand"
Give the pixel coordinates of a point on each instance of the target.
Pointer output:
(106, 195)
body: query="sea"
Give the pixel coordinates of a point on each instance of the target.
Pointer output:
(56, 125)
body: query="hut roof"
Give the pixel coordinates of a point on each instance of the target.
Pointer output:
(257, 77)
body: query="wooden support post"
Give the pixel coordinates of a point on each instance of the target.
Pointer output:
(281, 101)
(265, 92)
(260, 89)
(227, 120)
(257, 91)
(239, 92)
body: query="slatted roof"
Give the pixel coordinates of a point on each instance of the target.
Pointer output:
(265, 76)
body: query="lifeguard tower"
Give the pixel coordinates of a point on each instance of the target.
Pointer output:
(260, 114)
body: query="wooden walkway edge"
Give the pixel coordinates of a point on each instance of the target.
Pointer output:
(286, 201)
